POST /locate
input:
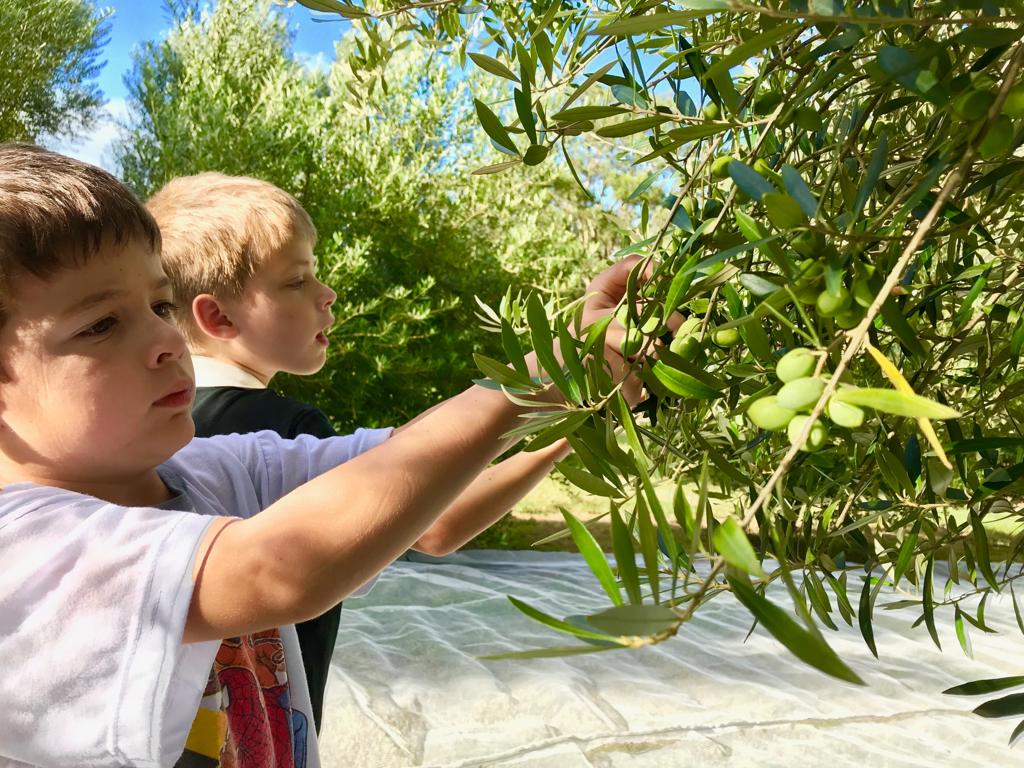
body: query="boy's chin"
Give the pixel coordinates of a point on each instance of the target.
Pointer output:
(309, 368)
(177, 436)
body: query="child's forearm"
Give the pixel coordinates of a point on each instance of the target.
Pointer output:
(490, 497)
(309, 550)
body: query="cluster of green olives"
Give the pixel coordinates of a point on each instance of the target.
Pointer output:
(788, 408)
(846, 306)
(688, 345)
(633, 339)
(973, 104)
(697, 212)
(764, 103)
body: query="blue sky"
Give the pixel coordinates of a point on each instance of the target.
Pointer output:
(134, 22)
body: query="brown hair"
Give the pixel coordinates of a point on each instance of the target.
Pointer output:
(57, 212)
(217, 230)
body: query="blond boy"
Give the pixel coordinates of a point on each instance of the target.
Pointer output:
(240, 255)
(129, 549)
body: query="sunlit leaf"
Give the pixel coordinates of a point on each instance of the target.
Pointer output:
(594, 557)
(635, 620)
(808, 647)
(492, 65)
(897, 403)
(731, 542)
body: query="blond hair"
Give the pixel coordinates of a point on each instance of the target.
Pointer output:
(57, 213)
(217, 231)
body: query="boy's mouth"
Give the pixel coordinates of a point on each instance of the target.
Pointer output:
(321, 339)
(180, 396)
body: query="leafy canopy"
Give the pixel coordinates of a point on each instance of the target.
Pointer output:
(844, 180)
(48, 66)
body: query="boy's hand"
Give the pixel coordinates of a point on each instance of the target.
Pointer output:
(603, 295)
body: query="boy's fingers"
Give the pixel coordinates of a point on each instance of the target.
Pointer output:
(674, 321)
(611, 283)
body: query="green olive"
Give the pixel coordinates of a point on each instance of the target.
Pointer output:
(998, 139)
(1014, 104)
(687, 347)
(766, 413)
(726, 337)
(844, 414)
(689, 204)
(849, 318)
(720, 167)
(796, 364)
(710, 111)
(973, 104)
(631, 342)
(766, 102)
(801, 394)
(815, 440)
(830, 304)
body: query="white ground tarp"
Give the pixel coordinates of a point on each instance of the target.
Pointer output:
(407, 690)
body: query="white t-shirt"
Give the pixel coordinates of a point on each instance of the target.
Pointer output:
(93, 602)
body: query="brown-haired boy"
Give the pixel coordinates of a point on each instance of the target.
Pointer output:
(130, 550)
(239, 252)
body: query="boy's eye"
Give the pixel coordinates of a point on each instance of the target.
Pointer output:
(165, 309)
(100, 328)
(297, 283)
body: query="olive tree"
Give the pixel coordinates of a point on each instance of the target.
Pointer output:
(407, 237)
(839, 409)
(48, 66)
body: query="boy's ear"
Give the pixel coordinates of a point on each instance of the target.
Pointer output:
(211, 317)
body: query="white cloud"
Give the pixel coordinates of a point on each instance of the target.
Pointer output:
(317, 62)
(95, 146)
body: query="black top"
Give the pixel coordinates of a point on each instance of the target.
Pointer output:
(226, 410)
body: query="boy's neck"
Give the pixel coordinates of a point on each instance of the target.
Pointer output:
(145, 490)
(217, 370)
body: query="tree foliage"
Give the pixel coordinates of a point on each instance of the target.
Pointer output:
(844, 181)
(408, 238)
(48, 65)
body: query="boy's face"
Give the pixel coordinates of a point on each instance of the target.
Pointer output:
(97, 381)
(284, 313)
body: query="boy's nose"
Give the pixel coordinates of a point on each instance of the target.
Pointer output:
(329, 296)
(169, 344)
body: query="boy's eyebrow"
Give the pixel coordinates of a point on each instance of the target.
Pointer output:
(105, 295)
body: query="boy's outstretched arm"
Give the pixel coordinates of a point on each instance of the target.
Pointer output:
(489, 498)
(299, 556)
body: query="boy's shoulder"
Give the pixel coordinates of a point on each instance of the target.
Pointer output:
(220, 410)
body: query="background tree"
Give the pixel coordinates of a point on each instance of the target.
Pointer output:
(48, 65)
(843, 240)
(408, 238)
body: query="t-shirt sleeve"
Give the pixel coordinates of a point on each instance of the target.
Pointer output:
(275, 465)
(93, 603)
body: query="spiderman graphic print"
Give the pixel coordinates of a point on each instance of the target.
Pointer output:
(246, 719)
